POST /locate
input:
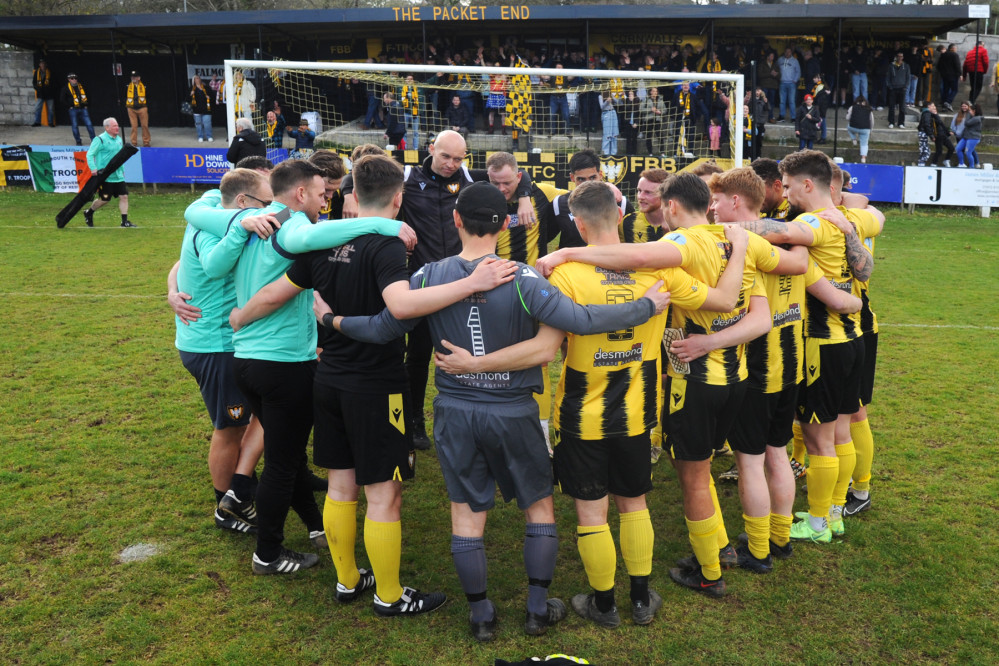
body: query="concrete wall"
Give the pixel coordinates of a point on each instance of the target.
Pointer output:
(17, 97)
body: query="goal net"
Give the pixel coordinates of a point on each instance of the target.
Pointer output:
(676, 118)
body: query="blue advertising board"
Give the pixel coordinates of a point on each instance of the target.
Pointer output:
(878, 182)
(190, 165)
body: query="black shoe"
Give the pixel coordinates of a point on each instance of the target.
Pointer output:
(727, 558)
(485, 631)
(780, 552)
(127, 224)
(366, 582)
(36, 124)
(244, 511)
(695, 580)
(88, 215)
(289, 561)
(224, 522)
(79, 143)
(318, 483)
(420, 440)
(854, 505)
(412, 602)
(641, 612)
(538, 624)
(585, 606)
(751, 563)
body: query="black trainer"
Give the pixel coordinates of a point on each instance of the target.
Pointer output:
(780, 552)
(727, 559)
(641, 612)
(484, 631)
(88, 215)
(750, 562)
(538, 624)
(420, 440)
(412, 602)
(585, 606)
(289, 561)
(224, 522)
(244, 510)
(126, 223)
(366, 582)
(855, 505)
(695, 580)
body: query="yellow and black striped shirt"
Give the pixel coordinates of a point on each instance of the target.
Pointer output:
(868, 228)
(635, 228)
(777, 360)
(828, 250)
(520, 242)
(611, 383)
(705, 253)
(779, 212)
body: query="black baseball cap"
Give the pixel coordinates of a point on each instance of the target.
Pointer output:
(71, 76)
(135, 73)
(482, 202)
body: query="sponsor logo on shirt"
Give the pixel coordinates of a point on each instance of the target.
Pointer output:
(615, 277)
(720, 323)
(792, 314)
(603, 358)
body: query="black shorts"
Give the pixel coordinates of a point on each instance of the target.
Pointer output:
(698, 417)
(365, 432)
(225, 402)
(590, 469)
(870, 361)
(764, 420)
(108, 190)
(483, 446)
(832, 380)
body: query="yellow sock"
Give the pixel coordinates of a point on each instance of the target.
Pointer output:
(797, 443)
(637, 538)
(822, 473)
(758, 530)
(863, 442)
(780, 529)
(705, 545)
(596, 549)
(721, 532)
(846, 454)
(544, 399)
(383, 542)
(340, 523)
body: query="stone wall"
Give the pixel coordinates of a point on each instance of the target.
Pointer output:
(17, 98)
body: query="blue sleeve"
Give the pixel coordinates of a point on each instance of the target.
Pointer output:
(332, 233)
(205, 214)
(222, 258)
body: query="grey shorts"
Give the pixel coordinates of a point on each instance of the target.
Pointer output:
(482, 446)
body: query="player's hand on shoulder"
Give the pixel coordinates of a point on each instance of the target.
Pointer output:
(836, 217)
(262, 225)
(187, 313)
(492, 272)
(459, 361)
(525, 213)
(737, 236)
(546, 264)
(407, 235)
(349, 207)
(658, 297)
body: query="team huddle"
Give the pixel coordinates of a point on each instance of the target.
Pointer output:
(730, 311)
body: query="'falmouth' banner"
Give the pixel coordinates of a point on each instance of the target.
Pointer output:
(58, 172)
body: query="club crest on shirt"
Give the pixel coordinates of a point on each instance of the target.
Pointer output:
(453, 188)
(235, 412)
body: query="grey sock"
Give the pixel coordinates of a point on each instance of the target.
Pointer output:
(540, 550)
(469, 555)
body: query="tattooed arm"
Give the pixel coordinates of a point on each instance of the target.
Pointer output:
(780, 232)
(860, 259)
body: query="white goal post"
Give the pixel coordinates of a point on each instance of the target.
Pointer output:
(477, 79)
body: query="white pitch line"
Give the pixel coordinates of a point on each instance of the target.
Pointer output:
(967, 326)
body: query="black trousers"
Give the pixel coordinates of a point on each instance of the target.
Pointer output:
(896, 98)
(280, 394)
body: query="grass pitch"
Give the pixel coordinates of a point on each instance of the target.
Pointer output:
(104, 443)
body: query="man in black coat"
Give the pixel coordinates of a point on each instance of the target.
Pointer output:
(246, 143)
(949, 68)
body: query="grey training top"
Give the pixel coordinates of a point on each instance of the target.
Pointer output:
(486, 322)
